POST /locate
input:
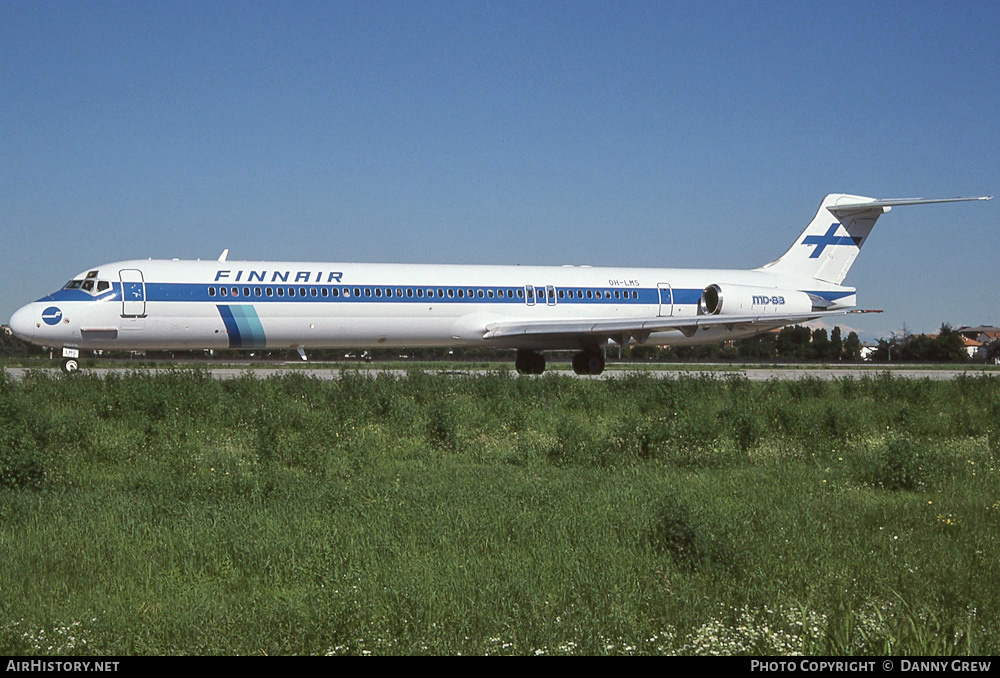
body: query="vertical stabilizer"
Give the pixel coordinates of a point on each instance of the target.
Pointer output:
(831, 242)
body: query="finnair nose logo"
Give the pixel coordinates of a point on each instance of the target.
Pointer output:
(52, 315)
(828, 238)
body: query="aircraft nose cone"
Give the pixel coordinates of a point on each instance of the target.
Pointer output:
(22, 323)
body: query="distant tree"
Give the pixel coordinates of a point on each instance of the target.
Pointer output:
(945, 347)
(761, 347)
(820, 344)
(993, 350)
(728, 352)
(836, 345)
(793, 343)
(919, 348)
(885, 351)
(649, 352)
(949, 347)
(852, 348)
(11, 346)
(705, 352)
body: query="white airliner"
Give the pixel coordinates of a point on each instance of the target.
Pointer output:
(158, 304)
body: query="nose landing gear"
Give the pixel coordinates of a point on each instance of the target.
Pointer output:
(71, 360)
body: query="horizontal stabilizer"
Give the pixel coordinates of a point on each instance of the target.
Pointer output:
(898, 202)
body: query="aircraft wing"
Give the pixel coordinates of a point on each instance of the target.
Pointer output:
(638, 329)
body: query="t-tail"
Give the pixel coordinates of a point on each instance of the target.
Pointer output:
(828, 247)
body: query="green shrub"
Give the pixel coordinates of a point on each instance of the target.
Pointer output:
(899, 464)
(676, 533)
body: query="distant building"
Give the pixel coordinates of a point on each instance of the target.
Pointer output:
(978, 333)
(972, 347)
(979, 339)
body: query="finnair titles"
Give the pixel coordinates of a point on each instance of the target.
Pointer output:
(171, 304)
(279, 276)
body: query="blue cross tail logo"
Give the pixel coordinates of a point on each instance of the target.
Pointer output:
(828, 238)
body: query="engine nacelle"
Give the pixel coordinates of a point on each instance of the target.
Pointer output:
(750, 300)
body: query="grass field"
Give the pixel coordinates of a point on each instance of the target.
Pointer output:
(173, 513)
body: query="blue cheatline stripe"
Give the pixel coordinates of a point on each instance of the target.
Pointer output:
(829, 296)
(243, 326)
(407, 294)
(160, 292)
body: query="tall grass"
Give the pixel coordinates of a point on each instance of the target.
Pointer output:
(438, 514)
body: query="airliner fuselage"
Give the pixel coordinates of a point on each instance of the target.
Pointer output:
(172, 304)
(191, 305)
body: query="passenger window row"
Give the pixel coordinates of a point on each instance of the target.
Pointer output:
(421, 292)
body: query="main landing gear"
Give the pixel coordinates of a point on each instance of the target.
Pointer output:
(529, 362)
(589, 361)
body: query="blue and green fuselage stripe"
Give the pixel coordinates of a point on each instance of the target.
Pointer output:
(243, 325)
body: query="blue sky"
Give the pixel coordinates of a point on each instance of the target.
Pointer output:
(700, 134)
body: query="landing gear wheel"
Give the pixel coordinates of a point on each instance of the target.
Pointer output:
(70, 365)
(529, 362)
(588, 362)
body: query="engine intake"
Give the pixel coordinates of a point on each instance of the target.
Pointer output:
(751, 300)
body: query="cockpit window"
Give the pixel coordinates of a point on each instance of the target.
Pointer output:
(88, 285)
